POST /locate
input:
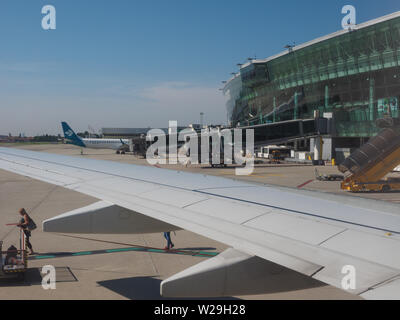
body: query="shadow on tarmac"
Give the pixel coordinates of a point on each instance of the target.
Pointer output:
(142, 288)
(280, 280)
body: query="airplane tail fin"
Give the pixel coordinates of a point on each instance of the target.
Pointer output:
(70, 135)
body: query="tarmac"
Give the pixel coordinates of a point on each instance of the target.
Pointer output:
(117, 266)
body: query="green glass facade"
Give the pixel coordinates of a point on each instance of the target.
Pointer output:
(355, 75)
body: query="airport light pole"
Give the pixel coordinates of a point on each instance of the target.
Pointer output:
(289, 47)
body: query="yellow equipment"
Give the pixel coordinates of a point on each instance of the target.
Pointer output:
(275, 157)
(368, 165)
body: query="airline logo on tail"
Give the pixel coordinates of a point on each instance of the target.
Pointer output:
(71, 136)
(69, 133)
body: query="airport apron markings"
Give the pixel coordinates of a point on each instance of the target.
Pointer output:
(86, 253)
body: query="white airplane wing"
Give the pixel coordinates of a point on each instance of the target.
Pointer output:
(347, 242)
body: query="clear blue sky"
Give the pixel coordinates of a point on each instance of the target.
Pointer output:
(131, 63)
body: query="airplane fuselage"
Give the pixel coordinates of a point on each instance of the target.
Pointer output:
(114, 144)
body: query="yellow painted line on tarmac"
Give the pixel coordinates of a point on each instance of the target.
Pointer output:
(266, 174)
(226, 174)
(262, 175)
(255, 175)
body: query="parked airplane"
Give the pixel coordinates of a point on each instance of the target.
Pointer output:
(350, 243)
(120, 145)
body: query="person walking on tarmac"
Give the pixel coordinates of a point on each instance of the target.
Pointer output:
(27, 225)
(170, 245)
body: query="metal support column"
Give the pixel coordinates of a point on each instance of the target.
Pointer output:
(371, 98)
(326, 97)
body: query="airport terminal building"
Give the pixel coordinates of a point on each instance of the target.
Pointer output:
(351, 76)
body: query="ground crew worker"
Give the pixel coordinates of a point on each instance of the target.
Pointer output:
(170, 245)
(27, 224)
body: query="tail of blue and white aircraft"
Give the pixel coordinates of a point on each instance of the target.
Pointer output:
(71, 136)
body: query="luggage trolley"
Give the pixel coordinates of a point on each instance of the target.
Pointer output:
(14, 263)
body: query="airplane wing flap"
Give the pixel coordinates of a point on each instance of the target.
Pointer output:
(338, 272)
(178, 198)
(367, 247)
(294, 227)
(388, 290)
(228, 210)
(339, 209)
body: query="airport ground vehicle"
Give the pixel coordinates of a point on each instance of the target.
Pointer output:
(328, 177)
(17, 266)
(276, 157)
(368, 165)
(268, 151)
(213, 157)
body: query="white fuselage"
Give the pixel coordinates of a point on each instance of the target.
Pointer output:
(114, 144)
